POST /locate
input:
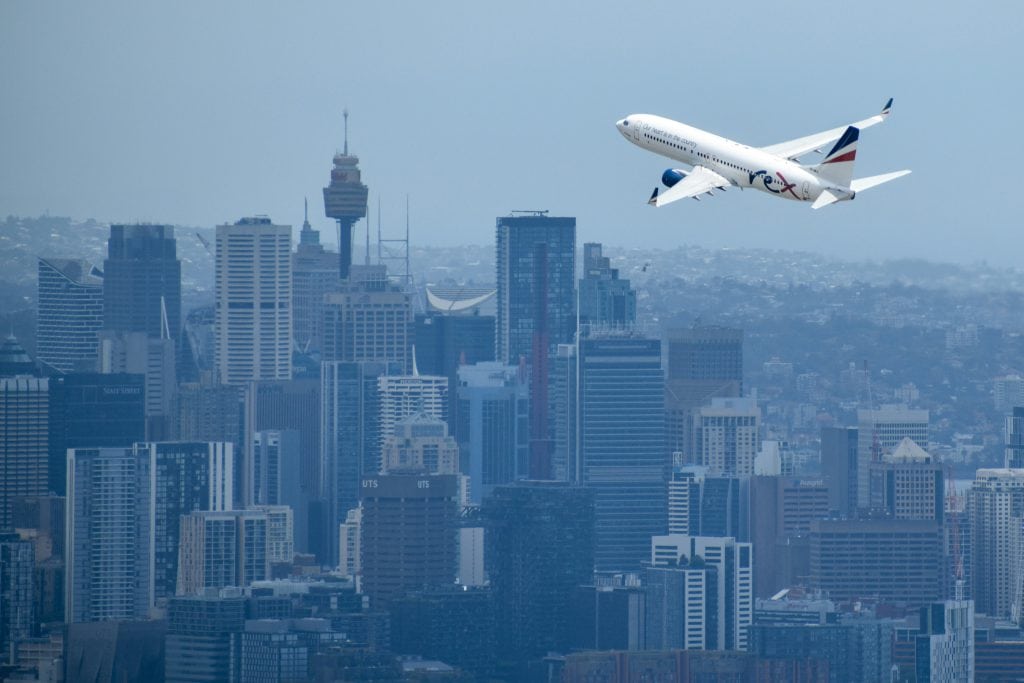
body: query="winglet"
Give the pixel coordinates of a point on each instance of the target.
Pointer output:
(887, 108)
(653, 201)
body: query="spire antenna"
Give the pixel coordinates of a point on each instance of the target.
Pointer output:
(345, 114)
(305, 209)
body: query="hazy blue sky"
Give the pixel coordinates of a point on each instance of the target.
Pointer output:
(198, 113)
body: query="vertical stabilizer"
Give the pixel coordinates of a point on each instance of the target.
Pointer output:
(838, 164)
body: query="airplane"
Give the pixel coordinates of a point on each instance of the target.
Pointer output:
(718, 163)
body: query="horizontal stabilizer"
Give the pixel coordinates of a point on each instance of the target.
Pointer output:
(861, 184)
(824, 199)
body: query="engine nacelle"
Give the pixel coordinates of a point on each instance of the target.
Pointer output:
(671, 176)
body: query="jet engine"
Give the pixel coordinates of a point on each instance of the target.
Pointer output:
(671, 176)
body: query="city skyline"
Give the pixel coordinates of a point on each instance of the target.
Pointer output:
(560, 156)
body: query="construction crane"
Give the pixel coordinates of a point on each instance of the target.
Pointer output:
(206, 244)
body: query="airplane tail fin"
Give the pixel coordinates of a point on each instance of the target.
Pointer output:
(838, 164)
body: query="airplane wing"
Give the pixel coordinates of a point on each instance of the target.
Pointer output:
(793, 149)
(697, 182)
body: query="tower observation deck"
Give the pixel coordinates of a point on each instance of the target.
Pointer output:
(345, 201)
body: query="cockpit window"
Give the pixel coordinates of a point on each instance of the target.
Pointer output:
(625, 122)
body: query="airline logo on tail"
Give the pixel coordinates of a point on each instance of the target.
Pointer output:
(845, 149)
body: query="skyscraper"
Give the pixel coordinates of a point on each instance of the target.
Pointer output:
(17, 614)
(90, 410)
(253, 326)
(24, 444)
(404, 395)
(622, 432)
(350, 415)
(142, 281)
(109, 535)
(421, 443)
(345, 202)
(727, 435)
(154, 358)
(408, 534)
(839, 465)
(523, 284)
(1015, 439)
(605, 300)
(704, 362)
(997, 535)
(314, 274)
(223, 548)
(539, 548)
(881, 431)
(718, 587)
(908, 484)
(70, 314)
(186, 476)
(492, 425)
(369, 319)
(945, 646)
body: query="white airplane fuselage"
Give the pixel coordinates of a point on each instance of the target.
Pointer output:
(743, 166)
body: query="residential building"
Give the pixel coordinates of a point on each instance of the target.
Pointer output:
(997, 536)
(223, 548)
(24, 441)
(727, 435)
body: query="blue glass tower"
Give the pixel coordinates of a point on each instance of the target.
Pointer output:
(622, 446)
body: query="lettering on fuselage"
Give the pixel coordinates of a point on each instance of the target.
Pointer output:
(776, 184)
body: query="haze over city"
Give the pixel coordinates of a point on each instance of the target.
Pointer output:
(194, 114)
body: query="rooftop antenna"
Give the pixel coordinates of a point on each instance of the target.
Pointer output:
(344, 113)
(305, 210)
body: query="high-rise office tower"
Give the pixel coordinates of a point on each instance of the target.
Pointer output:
(703, 363)
(997, 536)
(17, 613)
(622, 432)
(405, 395)
(720, 591)
(186, 476)
(350, 415)
(491, 425)
(70, 314)
(881, 431)
(563, 399)
(225, 548)
(345, 202)
(702, 504)
(314, 274)
(369, 319)
(408, 534)
(896, 561)
(142, 281)
(421, 443)
(1015, 439)
(153, 357)
(24, 441)
(780, 529)
(605, 300)
(539, 548)
(91, 410)
(523, 284)
(727, 435)
(109, 535)
(253, 326)
(275, 469)
(1008, 393)
(292, 405)
(839, 465)
(944, 647)
(449, 336)
(908, 484)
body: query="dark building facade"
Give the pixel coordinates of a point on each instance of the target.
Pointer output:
(605, 300)
(90, 410)
(520, 279)
(703, 363)
(539, 546)
(142, 281)
(839, 465)
(445, 342)
(408, 534)
(70, 314)
(622, 431)
(24, 441)
(198, 644)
